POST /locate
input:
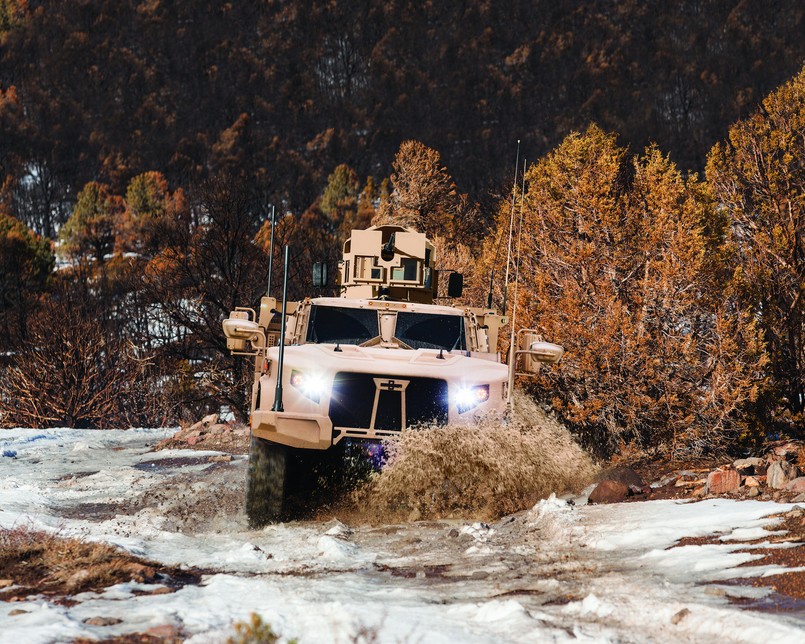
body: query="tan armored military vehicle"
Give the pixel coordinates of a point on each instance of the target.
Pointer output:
(368, 364)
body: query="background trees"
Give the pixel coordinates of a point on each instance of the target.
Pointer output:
(26, 261)
(284, 92)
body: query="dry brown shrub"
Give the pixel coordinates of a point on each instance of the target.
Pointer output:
(483, 471)
(47, 562)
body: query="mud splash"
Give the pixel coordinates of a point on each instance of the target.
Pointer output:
(484, 471)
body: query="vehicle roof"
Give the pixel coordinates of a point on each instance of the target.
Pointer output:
(392, 305)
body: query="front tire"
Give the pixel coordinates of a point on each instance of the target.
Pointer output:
(266, 482)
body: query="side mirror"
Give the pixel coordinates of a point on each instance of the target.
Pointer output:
(546, 352)
(240, 331)
(320, 274)
(455, 285)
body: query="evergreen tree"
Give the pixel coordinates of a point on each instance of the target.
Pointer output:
(614, 267)
(758, 178)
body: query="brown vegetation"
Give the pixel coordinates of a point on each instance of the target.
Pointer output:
(493, 470)
(618, 266)
(47, 563)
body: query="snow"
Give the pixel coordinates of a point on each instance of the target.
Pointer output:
(556, 573)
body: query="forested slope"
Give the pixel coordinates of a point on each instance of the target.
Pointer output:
(285, 91)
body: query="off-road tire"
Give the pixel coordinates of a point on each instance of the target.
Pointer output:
(266, 483)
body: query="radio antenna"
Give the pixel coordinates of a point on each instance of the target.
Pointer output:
(512, 324)
(271, 252)
(511, 228)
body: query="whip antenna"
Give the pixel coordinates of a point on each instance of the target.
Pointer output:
(511, 228)
(512, 351)
(271, 252)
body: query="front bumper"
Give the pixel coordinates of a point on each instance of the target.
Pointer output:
(309, 431)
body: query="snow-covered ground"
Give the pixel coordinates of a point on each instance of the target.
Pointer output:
(558, 572)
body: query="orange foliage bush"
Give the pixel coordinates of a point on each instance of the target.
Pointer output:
(618, 266)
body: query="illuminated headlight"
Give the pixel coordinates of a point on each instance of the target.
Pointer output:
(469, 397)
(312, 385)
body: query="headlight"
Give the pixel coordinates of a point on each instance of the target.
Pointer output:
(312, 385)
(469, 397)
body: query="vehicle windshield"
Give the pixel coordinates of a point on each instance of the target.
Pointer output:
(424, 331)
(341, 325)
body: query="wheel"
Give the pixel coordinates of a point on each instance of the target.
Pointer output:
(266, 482)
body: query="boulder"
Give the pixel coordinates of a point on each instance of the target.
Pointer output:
(797, 486)
(752, 492)
(722, 481)
(751, 481)
(216, 429)
(625, 475)
(780, 473)
(748, 465)
(164, 632)
(786, 449)
(609, 492)
(102, 621)
(209, 420)
(799, 499)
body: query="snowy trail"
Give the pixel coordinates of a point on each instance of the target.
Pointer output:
(554, 573)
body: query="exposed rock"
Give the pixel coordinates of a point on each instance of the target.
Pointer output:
(102, 621)
(609, 492)
(780, 473)
(786, 449)
(209, 420)
(5, 583)
(167, 632)
(751, 481)
(141, 573)
(722, 481)
(216, 429)
(17, 611)
(799, 499)
(679, 616)
(625, 475)
(752, 492)
(748, 465)
(192, 440)
(796, 486)
(668, 479)
(682, 482)
(699, 492)
(220, 458)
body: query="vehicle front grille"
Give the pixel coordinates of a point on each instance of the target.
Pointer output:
(354, 394)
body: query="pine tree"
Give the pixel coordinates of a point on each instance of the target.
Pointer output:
(90, 231)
